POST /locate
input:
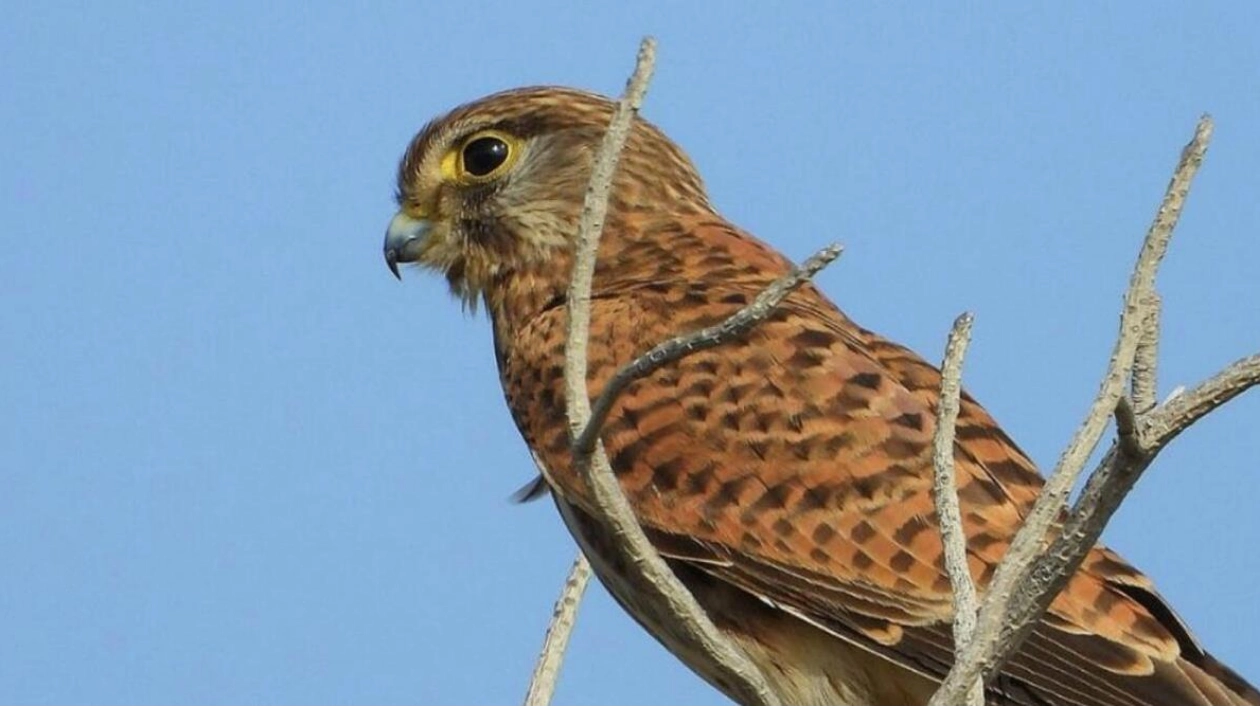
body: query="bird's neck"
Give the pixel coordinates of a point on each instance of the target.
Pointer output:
(664, 253)
(520, 294)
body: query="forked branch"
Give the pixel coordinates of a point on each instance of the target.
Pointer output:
(1036, 566)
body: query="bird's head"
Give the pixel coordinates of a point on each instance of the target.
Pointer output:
(494, 188)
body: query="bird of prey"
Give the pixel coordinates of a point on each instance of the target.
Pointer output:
(786, 476)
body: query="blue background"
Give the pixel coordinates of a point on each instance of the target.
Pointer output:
(240, 463)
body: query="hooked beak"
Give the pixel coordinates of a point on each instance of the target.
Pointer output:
(403, 240)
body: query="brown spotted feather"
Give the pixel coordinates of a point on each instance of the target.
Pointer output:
(788, 473)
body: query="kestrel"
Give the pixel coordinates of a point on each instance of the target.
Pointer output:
(786, 476)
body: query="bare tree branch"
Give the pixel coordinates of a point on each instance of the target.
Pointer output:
(730, 673)
(1141, 438)
(676, 348)
(542, 684)
(651, 577)
(590, 226)
(945, 493)
(1105, 489)
(1017, 595)
(1179, 412)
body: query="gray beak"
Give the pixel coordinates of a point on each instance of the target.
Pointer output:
(403, 240)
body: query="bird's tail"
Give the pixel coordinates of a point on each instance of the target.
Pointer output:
(1213, 677)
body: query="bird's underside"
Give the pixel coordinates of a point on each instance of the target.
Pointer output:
(786, 475)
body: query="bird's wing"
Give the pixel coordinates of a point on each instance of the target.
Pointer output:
(795, 463)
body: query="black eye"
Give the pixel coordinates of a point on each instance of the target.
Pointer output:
(484, 155)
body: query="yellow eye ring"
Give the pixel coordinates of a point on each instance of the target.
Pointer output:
(485, 155)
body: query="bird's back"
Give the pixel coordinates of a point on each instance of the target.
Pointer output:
(788, 476)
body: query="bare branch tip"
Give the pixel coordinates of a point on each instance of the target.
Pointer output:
(1202, 136)
(1204, 128)
(644, 66)
(963, 322)
(824, 257)
(956, 348)
(945, 496)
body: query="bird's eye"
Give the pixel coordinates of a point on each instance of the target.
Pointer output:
(483, 155)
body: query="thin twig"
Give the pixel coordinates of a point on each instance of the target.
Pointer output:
(945, 493)
(590, 227)
(1014, 590)
(676, 348)
(652, 580)
(1180, 411)
(542, 684)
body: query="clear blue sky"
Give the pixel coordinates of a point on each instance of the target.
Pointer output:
(240, 463)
